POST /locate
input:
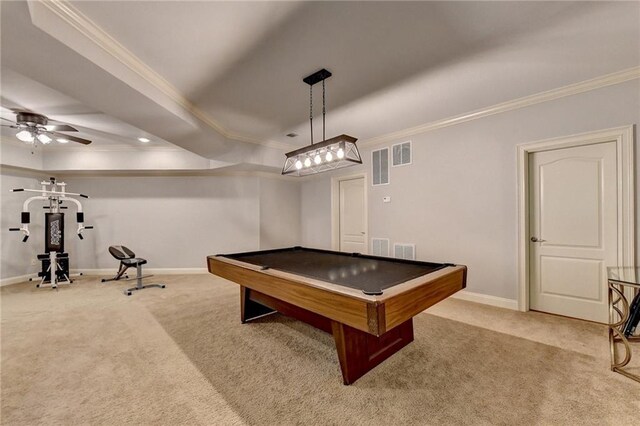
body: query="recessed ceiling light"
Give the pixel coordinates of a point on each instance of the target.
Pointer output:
(144, 140)
(61, 140)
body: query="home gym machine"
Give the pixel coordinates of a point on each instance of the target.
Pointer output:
(55, 262)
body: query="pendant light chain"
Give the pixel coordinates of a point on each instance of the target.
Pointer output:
(323, 111)
(311, 111)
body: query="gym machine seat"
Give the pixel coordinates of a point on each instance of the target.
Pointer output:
(61, 267)
(128, 260)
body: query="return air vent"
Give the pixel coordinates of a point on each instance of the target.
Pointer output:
(380, 166)
(404, 251)
(380, 246)
(401, 154)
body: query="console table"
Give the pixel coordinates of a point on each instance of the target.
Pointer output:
(624, 287)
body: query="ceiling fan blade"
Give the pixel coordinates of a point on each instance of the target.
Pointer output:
(71, 138)
(60, 128)
(6, 125)
(6, 119)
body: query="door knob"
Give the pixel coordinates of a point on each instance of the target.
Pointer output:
(535, 240)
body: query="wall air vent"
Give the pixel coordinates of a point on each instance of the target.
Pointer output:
(404, 251)
(401, 154)
(380, 246)
(380, 166)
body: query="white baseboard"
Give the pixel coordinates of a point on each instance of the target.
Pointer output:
(157, 271)
(485, 299)
(16, 280)
(111, 272)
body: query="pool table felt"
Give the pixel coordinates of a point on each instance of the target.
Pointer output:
(370, 274)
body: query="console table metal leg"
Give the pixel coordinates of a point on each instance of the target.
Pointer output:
(619, 312)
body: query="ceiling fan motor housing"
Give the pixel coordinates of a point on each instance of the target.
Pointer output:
(31, 119)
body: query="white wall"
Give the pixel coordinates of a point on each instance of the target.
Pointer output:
(17, 256)
(315, 211)
(279, 213)
(172, 221)
(457, 201)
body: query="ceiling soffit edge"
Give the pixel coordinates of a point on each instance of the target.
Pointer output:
(5, 168)
(100, 38)
(109, 148)
(12, 141)
(22, 172)
(549, 95)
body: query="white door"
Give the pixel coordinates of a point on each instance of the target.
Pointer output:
(353, 236)
(573, 229)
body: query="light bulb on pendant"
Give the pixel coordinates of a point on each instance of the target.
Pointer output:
(43, 138)
(25, 136)
(329, 156)
(340, 153)
(307, 162)
(317, 159)
(298, 164)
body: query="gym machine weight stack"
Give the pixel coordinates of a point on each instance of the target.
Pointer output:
(55, 262)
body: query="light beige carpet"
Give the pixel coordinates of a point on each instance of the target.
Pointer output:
(86, 354)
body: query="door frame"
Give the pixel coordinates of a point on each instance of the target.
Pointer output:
(624, 139)
(335, 209)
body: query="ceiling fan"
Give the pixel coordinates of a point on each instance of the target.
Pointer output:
(34, 127)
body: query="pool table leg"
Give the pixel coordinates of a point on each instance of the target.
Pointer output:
(359, 352)
(250, 309)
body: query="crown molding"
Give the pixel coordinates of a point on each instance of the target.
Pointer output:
(95, 34)
(550, 95)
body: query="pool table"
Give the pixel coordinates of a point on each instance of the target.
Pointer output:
(366, 302)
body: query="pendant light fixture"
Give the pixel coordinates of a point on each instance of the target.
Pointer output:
(330, 154)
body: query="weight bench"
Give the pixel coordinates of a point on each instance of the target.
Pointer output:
(128, 260)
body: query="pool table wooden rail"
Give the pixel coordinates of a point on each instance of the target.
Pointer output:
(372, 314)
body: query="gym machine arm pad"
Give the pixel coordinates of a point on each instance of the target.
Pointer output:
(24, 230)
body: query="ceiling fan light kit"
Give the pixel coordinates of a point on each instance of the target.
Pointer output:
(25, 136)
(43, 138)
(330, 154)
(34, 128)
